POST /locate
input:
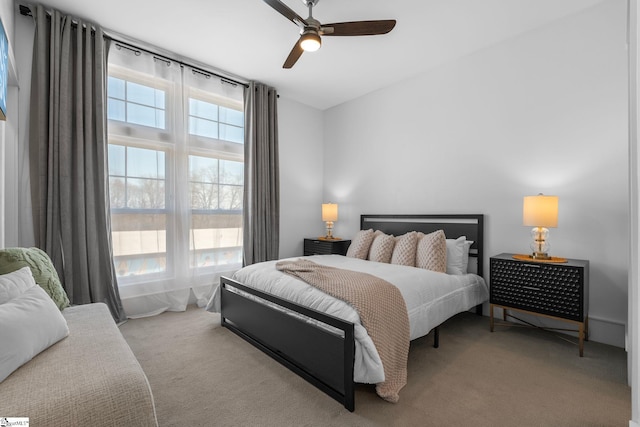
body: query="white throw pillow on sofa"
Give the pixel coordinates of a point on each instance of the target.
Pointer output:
(31, 323)
(15, 283)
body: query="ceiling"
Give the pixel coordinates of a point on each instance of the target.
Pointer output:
(248, 39)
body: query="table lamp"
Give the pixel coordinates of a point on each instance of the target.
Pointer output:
(540, 212)
(329, 214)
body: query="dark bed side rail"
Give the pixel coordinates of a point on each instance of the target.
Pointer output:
(324, 359)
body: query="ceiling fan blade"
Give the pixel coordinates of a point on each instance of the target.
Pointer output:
(359, 28)
(294, 55)
(287, 12)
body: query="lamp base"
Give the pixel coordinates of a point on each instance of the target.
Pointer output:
(540, 255)
(329, 238)
(539, 246)
(329, 235)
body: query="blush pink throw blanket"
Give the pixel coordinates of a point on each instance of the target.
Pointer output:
(382, 311)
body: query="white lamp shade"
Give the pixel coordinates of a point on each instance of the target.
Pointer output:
(540, 211)
(329, 212)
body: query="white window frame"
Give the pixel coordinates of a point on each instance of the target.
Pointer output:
(153, 138)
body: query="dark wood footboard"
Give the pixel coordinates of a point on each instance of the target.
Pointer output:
(322, 357)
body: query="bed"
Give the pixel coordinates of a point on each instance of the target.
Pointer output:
(326, 345)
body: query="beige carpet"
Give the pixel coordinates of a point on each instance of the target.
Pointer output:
(204, 375)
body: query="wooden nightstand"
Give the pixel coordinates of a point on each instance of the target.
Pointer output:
(555, 290)
(325, 247)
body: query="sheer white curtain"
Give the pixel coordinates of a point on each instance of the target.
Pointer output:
(176, 179)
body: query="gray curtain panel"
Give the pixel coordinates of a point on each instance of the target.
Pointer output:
(261, 208)
(68, 157)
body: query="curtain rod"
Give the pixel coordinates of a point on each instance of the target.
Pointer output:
(133, 47)
(26, 11)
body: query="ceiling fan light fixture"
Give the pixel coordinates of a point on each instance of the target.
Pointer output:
(310, 41)
(312, 29)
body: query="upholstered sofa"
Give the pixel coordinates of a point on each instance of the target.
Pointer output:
(90, 377)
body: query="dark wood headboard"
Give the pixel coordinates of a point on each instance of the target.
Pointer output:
(454, 226)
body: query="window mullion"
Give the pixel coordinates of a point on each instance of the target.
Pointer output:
(181, 175)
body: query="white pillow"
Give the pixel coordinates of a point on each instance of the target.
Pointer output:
(31, 323)
(465, 255)
(15, 283)
(458, 255)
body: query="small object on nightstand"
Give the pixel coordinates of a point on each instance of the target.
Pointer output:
(531, 258)
(323, 246)
(558, 291)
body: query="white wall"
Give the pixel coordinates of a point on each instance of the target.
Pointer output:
(8, 128)
(545, 112)
(633, 326)
(19, 219)
(300, 132)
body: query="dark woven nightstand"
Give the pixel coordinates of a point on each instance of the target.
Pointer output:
(555, 290)
(325, 247)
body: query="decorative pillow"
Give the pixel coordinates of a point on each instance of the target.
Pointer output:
(465, 255)
(381, 247)
(13, 284)
(360, 244)
(431, 252)
(31, 323)
(42, 268)
(404, 252)
(458, 255)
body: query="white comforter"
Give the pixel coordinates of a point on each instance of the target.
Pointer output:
(431, 298)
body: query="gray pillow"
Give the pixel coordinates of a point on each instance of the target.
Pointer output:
(44, 273)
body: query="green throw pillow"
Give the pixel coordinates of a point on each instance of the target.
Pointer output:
(42, 268)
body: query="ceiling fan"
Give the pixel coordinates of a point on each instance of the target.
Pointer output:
(311, 29)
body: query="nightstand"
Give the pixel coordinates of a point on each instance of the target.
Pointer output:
(325, 247)
(554, 290)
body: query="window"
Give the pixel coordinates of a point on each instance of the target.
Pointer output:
(136, 103)
(215, 121)
(176, 173)
(138, 201)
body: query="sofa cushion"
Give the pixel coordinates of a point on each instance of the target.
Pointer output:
(31, 323)
(91, 378)
(42, 268)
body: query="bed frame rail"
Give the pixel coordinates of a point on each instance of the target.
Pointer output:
(323, 358)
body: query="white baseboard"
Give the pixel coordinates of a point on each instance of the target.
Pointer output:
(607, 331)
